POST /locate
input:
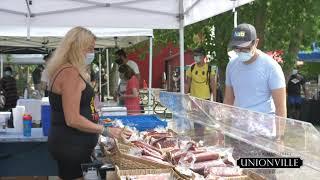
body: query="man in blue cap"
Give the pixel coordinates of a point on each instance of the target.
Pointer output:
(254, 80)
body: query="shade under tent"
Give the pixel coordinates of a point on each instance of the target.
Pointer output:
(14, 39)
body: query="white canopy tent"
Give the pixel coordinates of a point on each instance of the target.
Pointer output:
(154, 14)
(50, 37)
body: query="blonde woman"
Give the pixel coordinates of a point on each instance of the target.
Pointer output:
(74, 129)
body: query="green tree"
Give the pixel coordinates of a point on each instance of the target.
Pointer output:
(281, 25)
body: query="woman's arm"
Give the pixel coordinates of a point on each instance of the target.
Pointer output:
(133, 84)
(71, 86)
(134, 94)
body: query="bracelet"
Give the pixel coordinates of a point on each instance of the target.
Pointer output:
(105, 131)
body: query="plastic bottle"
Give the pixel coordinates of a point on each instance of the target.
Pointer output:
(145, 85)
(25, 94)
(27, 125)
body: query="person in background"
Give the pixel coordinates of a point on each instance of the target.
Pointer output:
(74, 129)
(131, 96)
(94, 78)
(122, 59)
(295, 83)
(201, 79)
(200, 82)
(36, 77)
(8, 86)
(44, 76)
(254, 80)
(104, 84)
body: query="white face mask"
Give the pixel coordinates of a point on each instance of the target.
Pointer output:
(89, 58)
(294, 71)
(7, 73)
(197, 59)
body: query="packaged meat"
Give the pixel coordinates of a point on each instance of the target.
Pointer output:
(187, 145)
(162, 176)
(165, 142)
(205, 156)
(176, 156)
(187, 161)
(184, 171)
(142, 144)
(200, 166)
(223, 171)
(149, 152)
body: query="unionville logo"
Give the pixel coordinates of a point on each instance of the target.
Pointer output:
(269, 162)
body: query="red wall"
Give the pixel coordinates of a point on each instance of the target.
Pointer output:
(175, 59)
(158, 63)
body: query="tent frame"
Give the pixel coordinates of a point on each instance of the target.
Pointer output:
(90, 4)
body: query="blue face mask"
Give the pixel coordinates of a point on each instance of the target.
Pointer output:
(89, 58)
(244, 56)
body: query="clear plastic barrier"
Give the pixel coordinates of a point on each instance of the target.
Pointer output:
(249, 133)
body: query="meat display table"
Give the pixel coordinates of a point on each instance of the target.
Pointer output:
(25, 156)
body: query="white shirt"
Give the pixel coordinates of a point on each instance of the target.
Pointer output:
(44, 77)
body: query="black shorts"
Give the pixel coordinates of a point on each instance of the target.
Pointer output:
(69, 160)
(70, 150)
(69, 170)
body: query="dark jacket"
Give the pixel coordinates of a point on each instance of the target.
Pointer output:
(9, 86)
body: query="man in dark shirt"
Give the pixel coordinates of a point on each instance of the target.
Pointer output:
(9, 86)
(36, 77)
(296, 81)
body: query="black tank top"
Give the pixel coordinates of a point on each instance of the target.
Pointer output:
(60, 133)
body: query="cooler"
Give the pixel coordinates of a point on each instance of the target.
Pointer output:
(45, 117)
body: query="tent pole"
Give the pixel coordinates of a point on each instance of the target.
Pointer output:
(107, 72)
(150, 74)
(28, 27)
(181, 43)
(1, 59)
(100, 76)
(235, 15)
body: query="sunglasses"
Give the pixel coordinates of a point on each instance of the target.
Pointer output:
(244, 49)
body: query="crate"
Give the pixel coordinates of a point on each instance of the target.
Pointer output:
(140, 122)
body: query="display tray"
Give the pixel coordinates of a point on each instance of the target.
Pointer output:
(140, 122)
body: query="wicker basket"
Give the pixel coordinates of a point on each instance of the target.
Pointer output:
(132, 172)
(253, 175)
(120, 157)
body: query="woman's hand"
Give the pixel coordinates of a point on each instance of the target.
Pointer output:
(119, 133)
